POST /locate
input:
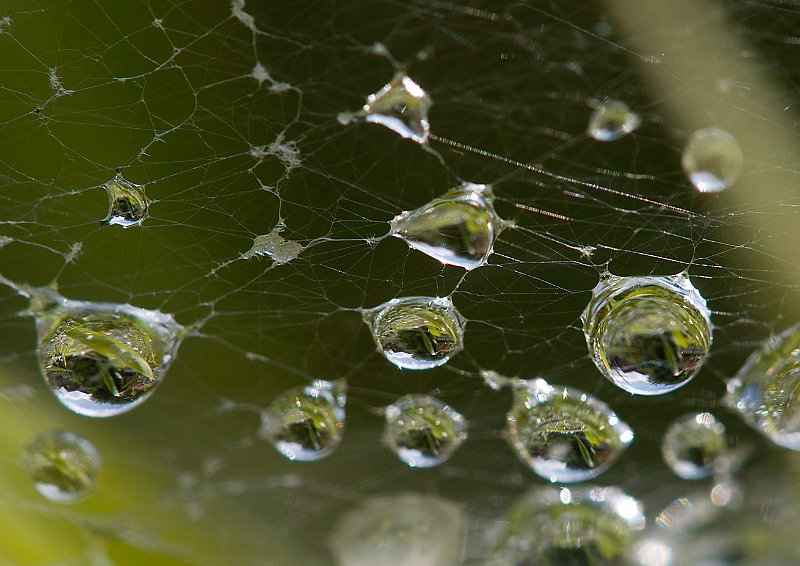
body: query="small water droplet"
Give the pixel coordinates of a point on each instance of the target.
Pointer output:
(563, 434)
(647, 335)
(103, 359)
(766, 391)
(306, 423)
(423, 431)
(62, 465)
(401, 105)
(417, 332)
(127, 203)
(712, 160)
(692, 444)
(612, 120)
(458, 228)
(274, 246)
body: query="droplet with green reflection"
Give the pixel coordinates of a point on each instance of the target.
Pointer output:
(128, 204)
(62, 465)
(692, 444)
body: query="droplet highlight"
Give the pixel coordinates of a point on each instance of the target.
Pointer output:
(647, 335)
(458, 228)
(63, 465)
(128, 204)
(306, 423)
(612, 120)
(563, 434)
(692, 444)
(417, 332)
(712, 159)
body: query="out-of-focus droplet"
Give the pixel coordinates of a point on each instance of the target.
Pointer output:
(417, 332)
(612, 120)
(127, 203)
(458, 228)
(766, 391)
(400, 530)
(402, 106)
(423, 431)
(306, 423)
(712, 160)
(647, 335)
(563, 434)
(692, 444)
(62, 465)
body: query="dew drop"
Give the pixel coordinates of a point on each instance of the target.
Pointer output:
(274, 246)
(127, 203)
(103, 359)
(62, 465)
(306, 423)
(612, 120)
(692, 444)
(458, 228)
(423, 431)
(647, 335)
(563, 434)
(712, 160)
(766, 391)
(417, 332)
(402, 106)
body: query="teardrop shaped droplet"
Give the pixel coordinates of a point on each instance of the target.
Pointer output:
(692, 444)
(62, 465)
(417, 332)
(563, 434)
(423, 431)
(647, 335)
(766, 391)
(103, 359)
(458, 228)
(576, 525)
(712, 160)
(402, 106)
(612, 120)
(306, 423)
(127, 203)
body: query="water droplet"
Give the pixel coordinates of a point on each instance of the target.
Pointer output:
(612, 120)
(423, 431)
(400, 530)
(458, 228)
(417, 332)
(306, 423)
(766, 391)
(402, 106)
(127, 203)
(62, 465)
(577, 525)
(103, 359)
(563, 434)
(647, 335)
(712, 160)
(274, 246)
(692, 444)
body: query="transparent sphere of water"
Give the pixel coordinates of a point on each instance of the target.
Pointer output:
(647, 335)
(692, 444)
(712, 160)
(63, 465)
(563, 434)
(612, 120)
(128, 204)
(417, 332)
(306, 423)
(423, 431)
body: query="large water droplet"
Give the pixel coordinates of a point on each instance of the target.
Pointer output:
(570, 526)
(612, 120)
(563, 434)
(647, 335)
(402, 106)
(458, 228)
(692, 444)
(712, 160)
(127, 203)
(400, 530)
(306, 423)
(417, 332)
(423, 431)
(62, 465)
(766, 391)
(103, 359)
